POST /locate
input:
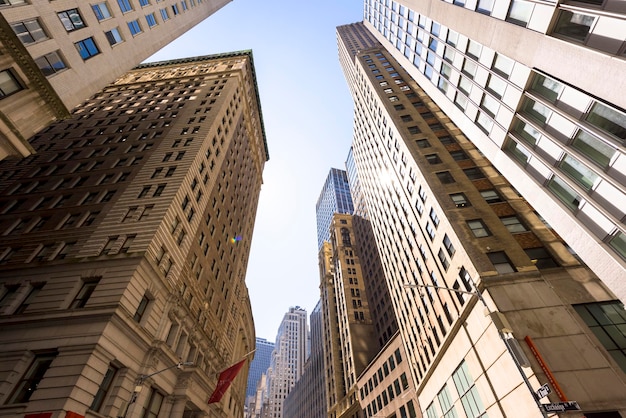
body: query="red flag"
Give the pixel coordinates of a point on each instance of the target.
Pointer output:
(224, 381)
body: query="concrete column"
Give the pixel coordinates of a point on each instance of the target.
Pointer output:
(177, 406)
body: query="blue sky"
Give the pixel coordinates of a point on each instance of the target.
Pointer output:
(307, 112)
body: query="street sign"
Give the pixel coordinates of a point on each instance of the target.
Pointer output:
(561, 406)
(543, 391)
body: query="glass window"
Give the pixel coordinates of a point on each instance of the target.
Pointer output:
(29, 31)
(101, 11)
(448, 245)
(433, 159)
(141, 309)
(536, 110)
(465, 85)
(144, 3)
(520, 153)
(607, 320)
(71, 19)
(565, 193)
(573, 25)
(460, 100)
(452, 38)
(446, 403)
(578, 171)
(609, 120)
(485, 6)
(502, 65)
(501, 262)
(8, 84)
(490, 105)
(593, 148)
(491, 196)
(103, 390)
(460, 200)
(527, 132)
(513, 224)
(496, 86)
(469, 68)
(445, 177)
(520, 12)
(113, 36)
(29, 382)
(448, 54)
(478, 228)
(134, 27)
(84, 294)
(125, 5)
(547, 87)
(474, 173)
(154, 404)
(540, 257)
(465, 387)
(164, 14)
(87, 48)
(474, 49)
(618, 243)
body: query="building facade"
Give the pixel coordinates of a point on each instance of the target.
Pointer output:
(260, 364)
(288, 359)
(334, 198)
(307, 399)
(457, 241)
(125, 243)
(507, 74)
(57, 54)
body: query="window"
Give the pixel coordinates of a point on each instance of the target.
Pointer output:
(151, 20)
(520, 12)
(433, 159)
(547, 87)
(113, 36)
(28, 300)
(8, 84)
(607, 119)
(144, 3)
(490, 196)
(430, 230)
(84, 293)
(134, 27)
(474, 49)
(593, 148)
(164, 14)
(50, 63)
(141, 309)
(30, 380)
(474, 173)
(103, 390)
(465, 387)
(444, 260)
(125, 6)
(153, 406)
(448, 245)
(423, 143)
(537, 111)
(29, 31)
(71, 19)
(513, 224)
(445, 177)
(460, 200)
(501, 262)
(502, 65)
(446, 404)
(175, 9)
(459, 155)
(101, 11)
(564, 192)
(434, 217)
(87, 48)
(541, 258)
(573, 25)
(478, 228)
(579, 172)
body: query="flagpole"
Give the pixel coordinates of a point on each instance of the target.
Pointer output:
(243, 357)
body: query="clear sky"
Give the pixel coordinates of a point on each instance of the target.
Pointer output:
(307, 112)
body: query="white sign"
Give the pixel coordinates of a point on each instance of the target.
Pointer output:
(543, 391)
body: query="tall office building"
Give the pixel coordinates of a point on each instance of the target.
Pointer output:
(288, 359)
(307, 398)
(537, 87)
(456, 240)
(125, 243)
(334, 198)
(260, 364)
(57, 54)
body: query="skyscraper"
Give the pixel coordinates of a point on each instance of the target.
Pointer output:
(57, 54)
(290, 354)
(307, 398)
(260, 364)
(457, 241)
(125, 243)
(507, 73)
(334, 198)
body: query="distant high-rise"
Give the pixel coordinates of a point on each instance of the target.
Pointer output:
(288, 359)
(490, 303)
(57, 54)
(125, 243)
(260, 364)
(334, 198)
(508, 74)
(307, 399)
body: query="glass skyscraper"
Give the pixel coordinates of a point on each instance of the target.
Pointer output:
(334, 198)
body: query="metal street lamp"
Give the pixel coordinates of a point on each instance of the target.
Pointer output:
(504, 330)
(143, 377)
